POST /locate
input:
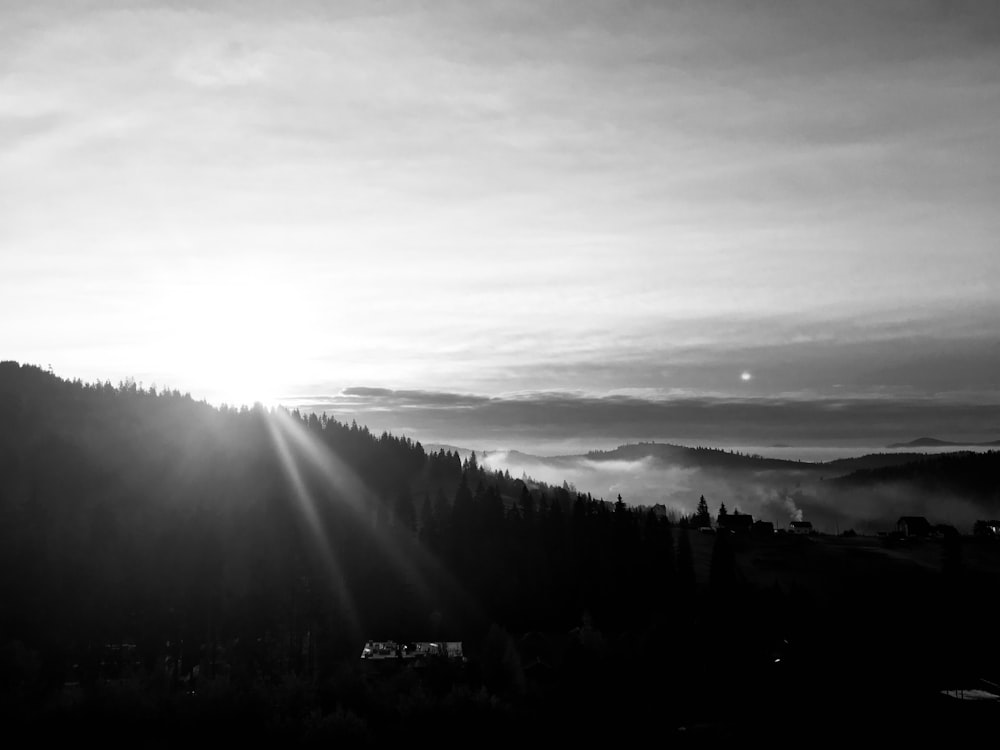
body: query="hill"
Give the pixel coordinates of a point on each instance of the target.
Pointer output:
(869, 461)
(969, 474)
(680, 455)
(714, 458)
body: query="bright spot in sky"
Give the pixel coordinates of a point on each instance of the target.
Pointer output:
(237, 331)
(745, 376)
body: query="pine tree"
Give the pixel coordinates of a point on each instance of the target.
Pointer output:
(702, 516)
(527, 503)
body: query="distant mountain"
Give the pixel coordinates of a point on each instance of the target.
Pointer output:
(669, 454)
(666, 454)
(701, 457)
(929, 442)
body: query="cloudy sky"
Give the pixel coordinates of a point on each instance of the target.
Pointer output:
(547, 219)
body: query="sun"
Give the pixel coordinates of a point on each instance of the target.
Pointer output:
(242, 379)
(238, 338)
(745, 376)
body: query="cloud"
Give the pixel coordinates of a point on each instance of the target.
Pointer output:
(223, 64)
(387, 398)
(541, 421)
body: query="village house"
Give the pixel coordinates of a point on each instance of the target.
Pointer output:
(913, 526)
(414, 650)
(990, 528)
(736, 523)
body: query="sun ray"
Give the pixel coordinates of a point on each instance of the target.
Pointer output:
(307, 505)
(409, 559)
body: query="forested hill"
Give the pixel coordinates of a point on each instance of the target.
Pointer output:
(681, 455)
(142, 435)
(106, 489)
(971, 474)
(131, 514)
(734, 460)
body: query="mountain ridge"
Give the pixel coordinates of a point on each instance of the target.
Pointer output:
(930, 442)
(708, 457)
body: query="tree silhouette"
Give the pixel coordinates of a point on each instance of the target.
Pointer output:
(702, 517)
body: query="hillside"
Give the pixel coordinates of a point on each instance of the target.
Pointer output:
(146, 518)
(225, 509)
(971, 475)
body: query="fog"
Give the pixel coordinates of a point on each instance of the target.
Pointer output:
(779, 496)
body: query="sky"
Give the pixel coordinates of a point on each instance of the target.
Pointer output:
(529, 222)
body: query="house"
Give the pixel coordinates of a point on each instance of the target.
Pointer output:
(737, 523)
(762, 528)
(380, 650)
(913, 526)
(987, 528)
(801, 527)
(659, 511)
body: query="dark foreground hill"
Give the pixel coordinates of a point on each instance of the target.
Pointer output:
(176, 574)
